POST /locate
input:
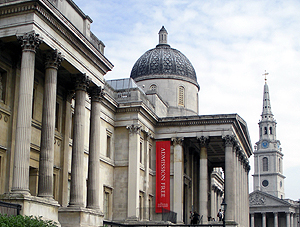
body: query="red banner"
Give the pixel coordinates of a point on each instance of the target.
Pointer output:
(162, 176)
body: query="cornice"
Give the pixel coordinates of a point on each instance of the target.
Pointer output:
(63, 25)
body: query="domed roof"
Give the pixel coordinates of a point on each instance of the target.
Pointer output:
(163, 62)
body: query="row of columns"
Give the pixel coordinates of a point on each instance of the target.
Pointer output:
(30, 42)
(290, 222)
(236, 180)
(236, 183)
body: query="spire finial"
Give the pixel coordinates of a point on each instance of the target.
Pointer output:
(265, 74)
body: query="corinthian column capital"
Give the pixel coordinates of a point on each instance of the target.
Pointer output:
(203, 140)
(229, 140)
(53, 59)
(82, 82)
(134, 128)
(30, 41)
(96, 93)
(177, 141)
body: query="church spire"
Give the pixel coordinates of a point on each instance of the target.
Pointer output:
(266, 111)
(163, 36)
(268, 157)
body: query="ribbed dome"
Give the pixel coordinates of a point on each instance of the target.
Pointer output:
(163, 62)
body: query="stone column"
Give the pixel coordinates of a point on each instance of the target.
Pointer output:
(288, 220)
(147, 170)
(239, 185)
(64, 196)
(213, 207)
(29, 44)
(203, 198)
(276, 219)
(45, 189)
(230, 181)
(252, 220)
(178, 178)
(93, 187)
(292, 220)
(264, 221)
(133, 171)
(78, 181)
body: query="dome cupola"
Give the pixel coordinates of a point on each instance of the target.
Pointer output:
(163, 62)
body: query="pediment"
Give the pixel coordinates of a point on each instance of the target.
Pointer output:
(261, 199)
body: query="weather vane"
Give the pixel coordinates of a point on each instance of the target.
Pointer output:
(265, 74)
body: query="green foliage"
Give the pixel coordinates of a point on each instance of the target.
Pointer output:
(24, 221)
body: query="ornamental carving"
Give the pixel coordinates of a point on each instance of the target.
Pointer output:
(257, 199)
(203, 140)
(82, 82)
(53, 59)
(177, 141)
(30, 41)
(96, 93)
(229, 140)
(134, 129)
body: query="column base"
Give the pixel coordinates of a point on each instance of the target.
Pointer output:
(231, 223)
(47, 209)
(79, 217)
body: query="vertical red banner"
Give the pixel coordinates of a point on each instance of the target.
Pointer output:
(162, 176)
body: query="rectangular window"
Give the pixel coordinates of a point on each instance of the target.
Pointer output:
(57, 116)
(106, 205)
(141, 152)
(150, 159)
(33, 98)
(3, 78)
(72, 126)
(181, 96)
(108, 146)
(54, 187)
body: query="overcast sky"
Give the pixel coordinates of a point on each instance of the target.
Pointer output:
(230, 44)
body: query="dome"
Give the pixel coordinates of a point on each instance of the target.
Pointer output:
(163, 62)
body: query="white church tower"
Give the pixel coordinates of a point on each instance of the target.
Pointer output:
(268, 170)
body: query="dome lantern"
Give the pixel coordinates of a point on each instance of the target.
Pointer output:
(163, 36)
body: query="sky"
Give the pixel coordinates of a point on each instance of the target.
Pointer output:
(231, 43)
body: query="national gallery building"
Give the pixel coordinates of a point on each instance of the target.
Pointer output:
(78, 149)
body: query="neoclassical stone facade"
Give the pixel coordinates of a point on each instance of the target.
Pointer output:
(77, 149)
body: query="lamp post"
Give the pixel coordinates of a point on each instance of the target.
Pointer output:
(223, 207)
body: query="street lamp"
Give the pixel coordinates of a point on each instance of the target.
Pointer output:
(223, 207)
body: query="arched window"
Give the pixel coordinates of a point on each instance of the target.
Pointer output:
(265, 164)
(153, 87)
(279, 165)
(271, 131)
(265, 130)
(181, 96)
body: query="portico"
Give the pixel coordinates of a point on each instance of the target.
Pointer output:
(222, 149)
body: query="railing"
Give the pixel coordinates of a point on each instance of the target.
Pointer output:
(10, 208)
(114, 224)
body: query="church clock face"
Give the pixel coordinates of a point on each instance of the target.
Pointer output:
(265, 144)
